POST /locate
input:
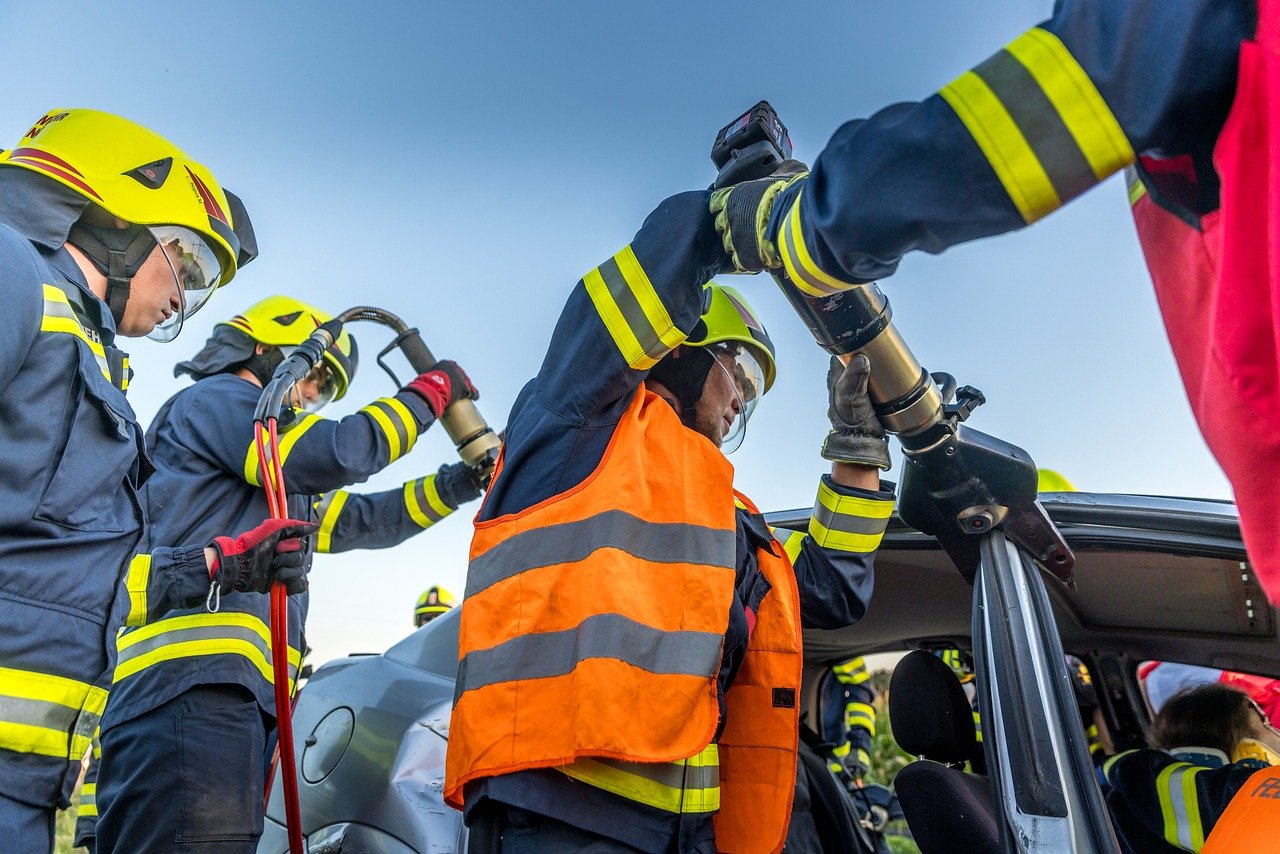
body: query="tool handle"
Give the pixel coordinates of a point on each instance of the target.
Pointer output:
(416, 351)
(476, 442)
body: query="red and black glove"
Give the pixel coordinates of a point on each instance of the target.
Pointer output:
(273, 551)
(442, 386)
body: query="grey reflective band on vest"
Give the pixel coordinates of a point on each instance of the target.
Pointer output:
(218, 632)
(574, 541)
(848, 523)
(1040, 123)
(47, 715)
(641, 327)
(547, 654)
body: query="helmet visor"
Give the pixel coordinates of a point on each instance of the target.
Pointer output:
(316, 390)
(739, 364)
(196, 274)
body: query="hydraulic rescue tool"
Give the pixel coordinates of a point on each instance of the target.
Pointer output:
(476, 444)
(976, 495)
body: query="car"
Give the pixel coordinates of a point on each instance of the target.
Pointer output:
(1155, 579)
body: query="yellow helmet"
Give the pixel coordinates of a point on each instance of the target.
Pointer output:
(433, 602)
(282, 321)
(132, 173)
(729, 317)
(1051, 481)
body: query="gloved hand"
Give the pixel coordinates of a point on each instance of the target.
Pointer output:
(442, 386)
(458, 483)
(742, 213)
(273, 551)
(856, 434)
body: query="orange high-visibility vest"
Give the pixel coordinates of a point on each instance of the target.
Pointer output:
(592, 633)
(1249, 822)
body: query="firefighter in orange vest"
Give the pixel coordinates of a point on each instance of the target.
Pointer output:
(1182, 94)
(630, 635)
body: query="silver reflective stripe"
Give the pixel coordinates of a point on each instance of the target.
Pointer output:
(574, 541)
(41, 713)
(674, 775)
(424, 504)
(55, 308)
(1180, 807)
(219, 632)
(847, 523)
(396, 421)
(548, 654)
(631, 310)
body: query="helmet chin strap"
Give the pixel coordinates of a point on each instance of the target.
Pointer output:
(117, 253)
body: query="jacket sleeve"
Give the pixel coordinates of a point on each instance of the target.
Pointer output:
(164, 580)
(621, 318)
(833, 561)
(1175, 801)
(20, 290)
(1042, 120)
(318, 454)
(378, 520)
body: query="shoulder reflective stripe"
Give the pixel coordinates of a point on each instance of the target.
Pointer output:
(569, 542)
(1040, 122)
(631, 310)
(88, 800)
(860, 714)
(537, 656)
(1180, 805)
(423, 501)
(290, 438)
(848, 523)
(392, 427)
(804, 272)
(48, 715)
(1108, 765)
(689, 786)
(327, 510)
(135, 582)
(195, 635)
(60, 317)
(792, 542)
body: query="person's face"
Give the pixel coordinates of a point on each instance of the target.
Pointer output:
(153, 297)
(720, 403)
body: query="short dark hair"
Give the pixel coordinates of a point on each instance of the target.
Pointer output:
(1204, 716)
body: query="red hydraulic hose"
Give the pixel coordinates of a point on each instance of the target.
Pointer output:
(272, 474)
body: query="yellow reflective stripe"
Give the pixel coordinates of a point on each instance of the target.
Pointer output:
(1004, 146)
(1077, 100)
(330, 508)
(688, 786)
(861, 714)
(135, 582)
(842, 750)
(124, 374)
(852, 672)
(1137, 189)
(848, 523)
(977, 727)
(88, 801)
(166, 640)
(792, 541)
(632, 311)
(799, 264)
(290, 438)
(388, 428)
(59, 316)
(1180, 805)
(410, 423)
(423, 501)
(1111, 763)
(48, 715)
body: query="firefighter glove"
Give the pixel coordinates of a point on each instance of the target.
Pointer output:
(443, 386)
(742, 217)
(273, 551)
(458, 483)
(856, 434)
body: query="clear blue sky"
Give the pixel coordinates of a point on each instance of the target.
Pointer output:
(462, 164)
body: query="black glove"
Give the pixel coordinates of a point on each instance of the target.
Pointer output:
(856, 434)
(742, 214)
(273, 551)
(443, 386)
(458, 483)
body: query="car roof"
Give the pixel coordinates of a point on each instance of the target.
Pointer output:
(1155, 578)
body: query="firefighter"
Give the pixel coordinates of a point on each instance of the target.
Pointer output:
(433, 602)
(192, 703)
(1179, 93)
(106, 230)
(591, 712)
(849, 716)
(1202, 790)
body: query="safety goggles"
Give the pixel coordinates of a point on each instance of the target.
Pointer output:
(747, 377)
(196, 274)
(325, 383)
